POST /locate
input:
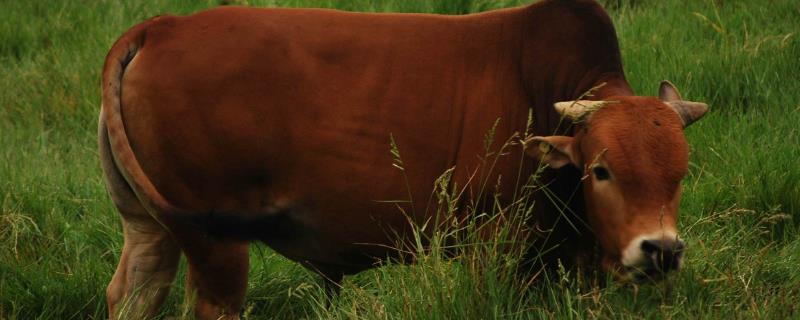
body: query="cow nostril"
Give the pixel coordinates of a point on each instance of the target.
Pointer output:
(651, 246)
(664, 255)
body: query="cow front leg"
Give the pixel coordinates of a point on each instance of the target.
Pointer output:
(217, 278)
(331, 281)
(331, 278)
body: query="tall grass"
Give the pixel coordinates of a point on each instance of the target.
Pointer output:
(61, 237)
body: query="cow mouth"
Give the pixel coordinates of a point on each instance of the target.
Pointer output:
(639, 275)
(647, 270)
(651, 257)
(653, 269)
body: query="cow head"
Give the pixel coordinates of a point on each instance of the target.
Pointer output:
(633, 155)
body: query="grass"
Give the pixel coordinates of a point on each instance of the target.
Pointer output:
(60, 237)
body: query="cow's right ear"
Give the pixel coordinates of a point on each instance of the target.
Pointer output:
(556, 151)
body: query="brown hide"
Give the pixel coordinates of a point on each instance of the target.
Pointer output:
(283, 116)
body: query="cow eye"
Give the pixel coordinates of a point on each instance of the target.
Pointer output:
(601, 173)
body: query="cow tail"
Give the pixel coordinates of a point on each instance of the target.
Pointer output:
(118, 58)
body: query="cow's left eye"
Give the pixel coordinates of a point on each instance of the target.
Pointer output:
(601, 173)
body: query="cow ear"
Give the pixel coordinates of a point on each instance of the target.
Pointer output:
(556, 151)
(668, 92)
(688, 110)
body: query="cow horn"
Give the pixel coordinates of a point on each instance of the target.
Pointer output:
(578, 110)
(688, 110)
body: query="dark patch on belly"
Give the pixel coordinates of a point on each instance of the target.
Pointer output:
(284, 232)
(274, 225)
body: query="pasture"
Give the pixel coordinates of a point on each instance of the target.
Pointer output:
(60, 236)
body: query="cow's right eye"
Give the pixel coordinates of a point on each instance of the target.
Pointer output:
(601, 173)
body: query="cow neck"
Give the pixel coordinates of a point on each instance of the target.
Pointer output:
(568, 47)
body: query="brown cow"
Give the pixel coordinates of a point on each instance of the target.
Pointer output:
(273, 124)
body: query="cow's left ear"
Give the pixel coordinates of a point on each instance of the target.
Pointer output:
(556, 151)
(689, 111)
(668, 92)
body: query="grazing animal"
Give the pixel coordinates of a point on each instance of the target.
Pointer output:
(274, 125)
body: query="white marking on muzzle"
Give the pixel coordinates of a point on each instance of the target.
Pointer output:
(634, 256)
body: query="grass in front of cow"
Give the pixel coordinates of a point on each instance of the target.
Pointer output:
(61, 237)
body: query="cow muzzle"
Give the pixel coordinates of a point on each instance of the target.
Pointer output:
(652, 256)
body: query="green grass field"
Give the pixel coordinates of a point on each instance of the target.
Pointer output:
(60, 236)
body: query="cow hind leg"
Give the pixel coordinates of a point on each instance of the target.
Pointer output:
(144, 274)
(149, 256)
(217, 279)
